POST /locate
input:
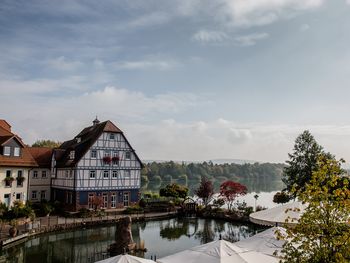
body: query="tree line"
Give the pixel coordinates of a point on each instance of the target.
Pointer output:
(182, 172)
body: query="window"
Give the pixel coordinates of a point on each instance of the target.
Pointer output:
(105, 174)
(43, 174)
(69, 198)
(91, 201)
(71, 155)
(16, 151)
(113, 200)
(105, 200)
(43, 195)
(127, 155)
(115, 158)
(114, 174)
(126, 199)
(18, 196)
(35, 174)
(106, 153)
(66, 173)
(92, 174)
(34, 196)
(93, 154)
(20, 178)
(70, 173)
(7, 150)
(127, 174)
(8, 180)
(111, 136)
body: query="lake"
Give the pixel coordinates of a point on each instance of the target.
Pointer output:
(161, 237)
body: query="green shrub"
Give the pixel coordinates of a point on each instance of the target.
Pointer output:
(84, 213)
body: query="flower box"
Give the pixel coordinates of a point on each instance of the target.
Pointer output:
(107, 159)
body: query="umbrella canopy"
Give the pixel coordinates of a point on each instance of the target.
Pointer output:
(265, 242)
(278, 215)
(219, 251)
(125, 259)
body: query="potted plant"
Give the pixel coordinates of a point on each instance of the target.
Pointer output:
(20, 180)
(8, 180)
(13, 231)
(107, 159)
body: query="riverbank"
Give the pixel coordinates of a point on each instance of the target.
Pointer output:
(44, 225)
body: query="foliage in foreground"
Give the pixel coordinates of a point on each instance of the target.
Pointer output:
(323, 232)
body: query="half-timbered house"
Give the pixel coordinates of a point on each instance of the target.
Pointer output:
(96, 169)
(15, 165)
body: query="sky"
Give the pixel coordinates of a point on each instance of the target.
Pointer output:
(184, 79)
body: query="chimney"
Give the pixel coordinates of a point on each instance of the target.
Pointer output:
(95, 122)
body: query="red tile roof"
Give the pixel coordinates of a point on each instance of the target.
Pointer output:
(25, 160)
(42, 155)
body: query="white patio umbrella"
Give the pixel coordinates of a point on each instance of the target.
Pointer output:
(265, 242)
(219, 251)
(278, 215)
(125, 259)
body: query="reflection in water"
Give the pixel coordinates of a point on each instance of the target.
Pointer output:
(162, 238)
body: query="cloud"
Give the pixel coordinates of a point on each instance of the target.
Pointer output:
(250, 40)
(248, 13)
(154, 64)
(206, 36)
(304, 27)
(205, 140)
(152, 19)
(61, 117)
(62, 63)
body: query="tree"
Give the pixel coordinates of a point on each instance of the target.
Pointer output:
(323, 232)
(174, 190)
(46, 143)
(302, 162)
(229, 190)
(205, 191)
(281, 197)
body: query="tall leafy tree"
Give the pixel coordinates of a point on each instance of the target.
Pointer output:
(46, 143)
(205, 190)
(229, 190)
(323, 231)
(302, 162)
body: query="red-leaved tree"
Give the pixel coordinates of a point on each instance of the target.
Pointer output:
(229, 190)
(205, 191)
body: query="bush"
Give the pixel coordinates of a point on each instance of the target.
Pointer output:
(174, 190)
(281, 198)
(84, 213)
(133, 209)
(260, 208)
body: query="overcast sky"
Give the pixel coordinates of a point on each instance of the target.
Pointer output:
(185, 80)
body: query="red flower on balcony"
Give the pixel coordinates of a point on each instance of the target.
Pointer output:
(107, 159)
(116, 159)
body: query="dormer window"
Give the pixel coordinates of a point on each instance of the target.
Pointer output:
(7, 150)
(17, 151)
(112, 136)
(78, 140)
(71, 155)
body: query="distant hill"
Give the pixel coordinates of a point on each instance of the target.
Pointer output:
(215, 161)
(236, 161)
